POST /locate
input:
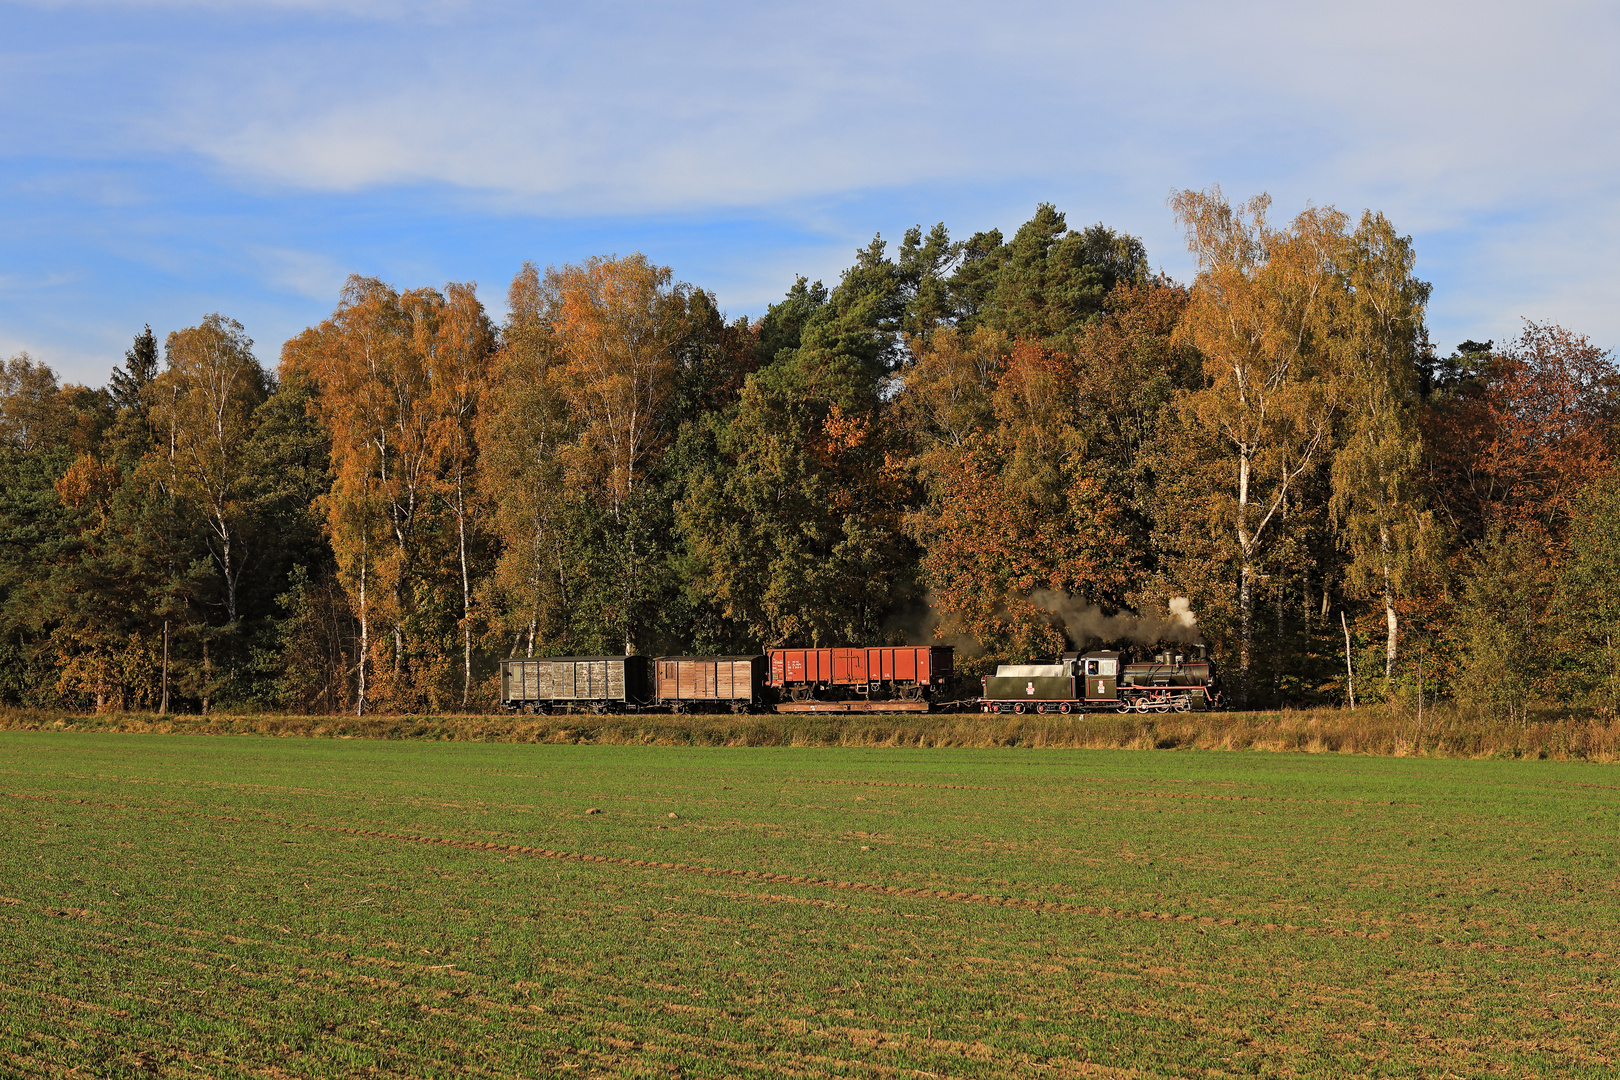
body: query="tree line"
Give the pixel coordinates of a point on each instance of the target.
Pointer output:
(1014, 444)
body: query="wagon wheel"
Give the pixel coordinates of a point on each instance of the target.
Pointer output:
(801, 693)
(914, 692)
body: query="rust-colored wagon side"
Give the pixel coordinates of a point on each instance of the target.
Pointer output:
(903, 672)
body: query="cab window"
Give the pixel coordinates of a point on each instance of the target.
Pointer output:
(1091, 667)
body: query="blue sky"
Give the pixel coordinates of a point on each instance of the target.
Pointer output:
(162, 160)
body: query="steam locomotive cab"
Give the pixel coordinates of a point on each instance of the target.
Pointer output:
(1101, 676)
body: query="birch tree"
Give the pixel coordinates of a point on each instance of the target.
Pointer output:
(1376, 339)
(458, 341)
(1260, 307)
(211, 386)
(614, 324)
(523, 431)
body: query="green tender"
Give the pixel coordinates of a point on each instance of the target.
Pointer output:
(1044, 689)
(240, 906)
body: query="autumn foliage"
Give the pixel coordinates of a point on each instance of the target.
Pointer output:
(967, 441)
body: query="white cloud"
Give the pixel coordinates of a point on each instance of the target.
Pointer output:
(657, 108)
(27, 283)
(310, 274)
(1487, 131)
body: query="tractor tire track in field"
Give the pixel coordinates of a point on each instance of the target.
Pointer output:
(950, 896)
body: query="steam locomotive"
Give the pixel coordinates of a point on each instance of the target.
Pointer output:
(1171, 678)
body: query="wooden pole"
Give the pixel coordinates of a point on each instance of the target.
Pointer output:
(1420, 699)
(163, 709)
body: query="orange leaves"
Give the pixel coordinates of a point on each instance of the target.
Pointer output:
(88, 481)
(1034, 398)
(987, 548)
(1030, 453)
(843, 433)
(399, 379)
(614, 323)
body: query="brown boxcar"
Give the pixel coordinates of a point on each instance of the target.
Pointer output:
(686, 682)
(906, 671)
(598, 682)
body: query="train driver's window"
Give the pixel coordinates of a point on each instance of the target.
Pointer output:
(1091, 667)
(1107, 667)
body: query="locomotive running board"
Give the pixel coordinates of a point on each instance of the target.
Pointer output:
(852, 706)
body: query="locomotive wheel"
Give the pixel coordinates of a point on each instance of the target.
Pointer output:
(1064, 708)
(1142, 705)
(1183, 703)
(1018, 708)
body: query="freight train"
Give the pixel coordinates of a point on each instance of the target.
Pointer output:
(1166, 678)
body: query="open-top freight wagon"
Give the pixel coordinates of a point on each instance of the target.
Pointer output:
(876, 679)
(1170, 679)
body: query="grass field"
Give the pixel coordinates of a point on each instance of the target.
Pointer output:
(1559, 733)
(237, 906)
(1447, 732)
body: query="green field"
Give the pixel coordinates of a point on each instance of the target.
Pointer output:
(235, 906)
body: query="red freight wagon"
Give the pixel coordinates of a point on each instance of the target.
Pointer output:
(907, 672)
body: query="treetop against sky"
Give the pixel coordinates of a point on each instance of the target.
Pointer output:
(163, 160)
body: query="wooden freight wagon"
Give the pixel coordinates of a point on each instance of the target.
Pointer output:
(686, 683)
(600, 683)
(904, 672)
